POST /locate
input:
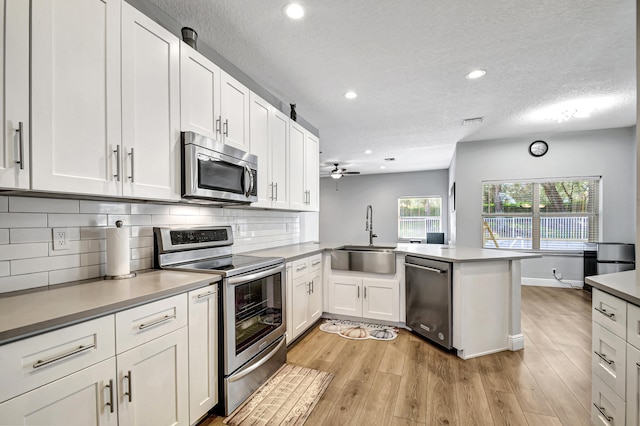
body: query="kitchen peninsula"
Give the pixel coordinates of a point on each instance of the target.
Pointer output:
(485, 289)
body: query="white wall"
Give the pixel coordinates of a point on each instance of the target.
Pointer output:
(610, 153)
(343, 207)
(27, 258)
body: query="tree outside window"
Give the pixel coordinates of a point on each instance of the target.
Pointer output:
(419, 215)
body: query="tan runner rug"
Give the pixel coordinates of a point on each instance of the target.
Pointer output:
(287, 398)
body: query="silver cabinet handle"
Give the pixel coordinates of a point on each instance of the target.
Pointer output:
(276, 185)
(309, 287)
(358, 293)
(117, 152)
(313, 287)
(131, 155)
(218, 121)
(604, 357)
(207, 294)
(365, 292)
(129, 392)
(41, 363)
(438, 271)
(271, 186)
(601, 409)
(316, 263)
(156, 322)
(110, 403)
(302, 268)
(225, 127)
(20, 130)
(605, 313)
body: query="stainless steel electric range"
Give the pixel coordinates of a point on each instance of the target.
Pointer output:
(252, 344)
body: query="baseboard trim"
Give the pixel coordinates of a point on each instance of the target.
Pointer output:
(545, 282)
(515, 342)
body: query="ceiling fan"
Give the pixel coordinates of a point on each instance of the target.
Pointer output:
(338, 172)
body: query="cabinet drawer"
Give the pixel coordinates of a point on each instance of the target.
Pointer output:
(610, 312)
(608, 358)
(33, 362)
(315, 262)
(607, 408)
(633, 325)
(141, 324)
(300, 267)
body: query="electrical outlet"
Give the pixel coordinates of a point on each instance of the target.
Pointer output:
(60, 241)
(553, 271)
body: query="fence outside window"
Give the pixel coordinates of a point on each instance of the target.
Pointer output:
(419, 215)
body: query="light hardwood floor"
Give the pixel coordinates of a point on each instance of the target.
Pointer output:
(411, 382)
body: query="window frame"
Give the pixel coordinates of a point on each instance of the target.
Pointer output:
(440, 217)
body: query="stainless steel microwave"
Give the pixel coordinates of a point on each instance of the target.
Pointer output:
(212, 170)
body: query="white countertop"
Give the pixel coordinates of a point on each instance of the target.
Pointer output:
(36, 312)
(620, 284)
(432, 251)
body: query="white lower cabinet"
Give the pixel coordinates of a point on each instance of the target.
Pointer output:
(153, 386)
(84, 398)
(203, 351)
(372, 298)
(633, 385)
(304, 295)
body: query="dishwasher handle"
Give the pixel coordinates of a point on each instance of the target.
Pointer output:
(438, 271)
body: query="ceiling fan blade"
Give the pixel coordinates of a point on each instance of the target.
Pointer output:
(350, 173)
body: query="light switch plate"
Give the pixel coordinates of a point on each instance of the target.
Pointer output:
(60, 239)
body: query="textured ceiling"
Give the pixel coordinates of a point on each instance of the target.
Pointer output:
(407, 60)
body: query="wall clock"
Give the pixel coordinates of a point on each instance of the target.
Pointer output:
(538, 148)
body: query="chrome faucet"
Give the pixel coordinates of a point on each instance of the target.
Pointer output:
(369, 224)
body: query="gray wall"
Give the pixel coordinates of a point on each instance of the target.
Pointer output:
(343, 207)
(610, 153)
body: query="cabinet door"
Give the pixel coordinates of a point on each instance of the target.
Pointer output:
(312, 171)
(199, 93)
(633, 385)
(259, 116)
(14, 89)
(153, 386)
(297, 188)
(608, 358)
(381, 299)
(80, 399)
(234, 105)
(345, 296)
(299, 305)
(203, 351)
(75, 96)
(315, 296)
(150, 108)
(279, 158)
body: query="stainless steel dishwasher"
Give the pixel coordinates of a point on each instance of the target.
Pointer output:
(428, 289)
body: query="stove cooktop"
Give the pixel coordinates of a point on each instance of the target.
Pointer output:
(232, 265)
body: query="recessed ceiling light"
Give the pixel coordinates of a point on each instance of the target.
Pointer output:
(294, 11)
(351, 95)
(476, 74)
(368, 151)
(383, 167)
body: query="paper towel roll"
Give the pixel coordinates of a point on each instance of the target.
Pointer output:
(118, 251)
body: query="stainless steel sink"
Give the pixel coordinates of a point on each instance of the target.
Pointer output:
(376, 259)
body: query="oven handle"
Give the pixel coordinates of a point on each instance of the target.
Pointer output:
(247, 278)
(247, 170)
(258, 364)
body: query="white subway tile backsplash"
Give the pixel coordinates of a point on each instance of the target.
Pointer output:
(26, 266)
(26, 247)
(23, 220)
(102, 207)
(43, 205)
(23, 251)
(23, 282)
(73, 274)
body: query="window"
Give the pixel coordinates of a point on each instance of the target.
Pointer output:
(419, 215)
(550, 215)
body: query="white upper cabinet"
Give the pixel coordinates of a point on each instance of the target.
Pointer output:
(14, 89)
(150, 108)
(269, 132)
(75, 96)
(234, 107)
(199, 93)
(304, 179)
(213, 103)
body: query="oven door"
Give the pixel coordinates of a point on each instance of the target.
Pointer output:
(214, 175)
(253, 315)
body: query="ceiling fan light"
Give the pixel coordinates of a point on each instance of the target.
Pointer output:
(336, 175)
(294, 11)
